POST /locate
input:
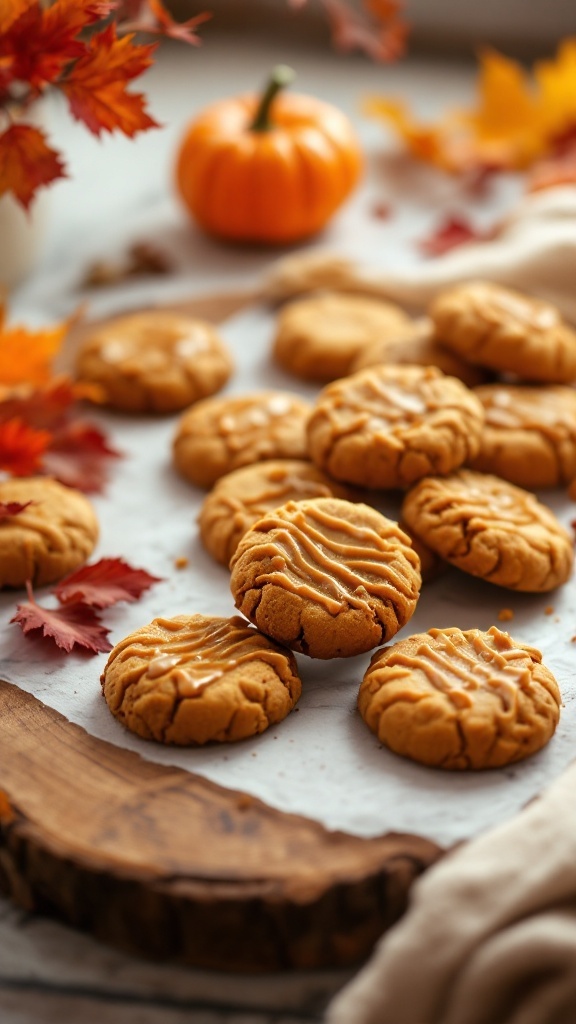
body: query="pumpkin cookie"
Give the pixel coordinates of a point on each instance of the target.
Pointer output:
(326, 577)
(240, 498)
(319, 337)
(197, 679)
(504, 330)
(388, 426)
(491, 529)
(460, 700)
(222, 434)
(418, 346)
(55, 534)
(529, 436)
(154, 361)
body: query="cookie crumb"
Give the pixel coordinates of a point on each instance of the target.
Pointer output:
(181, 562)
(549, 609)
(505, 615)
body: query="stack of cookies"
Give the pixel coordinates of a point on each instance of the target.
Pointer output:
(467, 412)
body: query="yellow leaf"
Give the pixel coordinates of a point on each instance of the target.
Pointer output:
(26, 356)
(557, 82)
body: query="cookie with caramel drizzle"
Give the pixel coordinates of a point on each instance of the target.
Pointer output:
(460, 700)
(195, 679)
(326, 577)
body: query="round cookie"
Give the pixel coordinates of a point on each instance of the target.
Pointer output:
(388, 426)
(318, 337)
(326, 577)
(197, 679)
(491, 529)
(503, 330)
(460, 700)
(242, 497)
(222, 434)
(55, 534)
(418, 346)
(529, 436)
(154, 361)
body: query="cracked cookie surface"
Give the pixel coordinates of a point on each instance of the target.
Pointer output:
(460, 700)
(242, 497)
(419, 346)
(326, 577)
(154, 361)
(222, 434)
(318, 338)
(54, 535)
(388, 426)
(529, 435)
(195, 679)
(504, 330)
(491, 529)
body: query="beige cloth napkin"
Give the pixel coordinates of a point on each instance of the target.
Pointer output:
(534, 252)
(490, 936)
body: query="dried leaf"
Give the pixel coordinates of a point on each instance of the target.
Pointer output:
(382, 36)
(22, 447)
(96, 86)
(78, 456)
(9, 509)
(69, 626)
(26, 356)
(27, 162)
(143, 258)
(105, 583)
(450, 233)
(184, 31)
(48, 407)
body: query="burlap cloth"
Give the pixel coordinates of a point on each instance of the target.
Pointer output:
(490, 935)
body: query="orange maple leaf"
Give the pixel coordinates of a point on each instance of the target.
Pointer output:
(516, 120)
(96, 84)
(26, 356)
(22, 447)
(12, 10)
(27, 161)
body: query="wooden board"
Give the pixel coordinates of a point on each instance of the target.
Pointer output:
(165, 864)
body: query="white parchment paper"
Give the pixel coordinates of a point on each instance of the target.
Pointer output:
(322, 761)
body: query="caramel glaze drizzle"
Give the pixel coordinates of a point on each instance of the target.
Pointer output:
(275, 492)
(306, 559)
(199, 652)
(384, 405)
(491, 502)
(552, 413)
(459, 663)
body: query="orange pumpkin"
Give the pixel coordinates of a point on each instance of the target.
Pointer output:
(272, 169)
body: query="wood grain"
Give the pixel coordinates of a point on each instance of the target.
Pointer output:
(166, 864)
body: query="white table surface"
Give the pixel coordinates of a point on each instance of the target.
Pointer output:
(120, 192)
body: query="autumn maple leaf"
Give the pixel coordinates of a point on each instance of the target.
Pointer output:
(78, 456)
(105, 583)
(452, 232)
(158, 19)
(11, 10)
(27, 162)
(69, 626)
(26, 356)
(22, 447)
(9, 509)
(96, 86)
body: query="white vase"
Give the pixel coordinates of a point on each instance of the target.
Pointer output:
(21, 235)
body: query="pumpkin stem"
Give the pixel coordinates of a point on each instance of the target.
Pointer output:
(280, 78)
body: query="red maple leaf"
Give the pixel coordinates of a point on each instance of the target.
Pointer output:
(160, 20)
(47, 407)
(105, 583)
(450, 233)
(96, 84)
(22, 447)
(42, 41)
(8, 509)
(70, 626)
(26, 162)
(77, 456)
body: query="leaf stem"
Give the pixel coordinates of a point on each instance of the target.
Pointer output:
(280, 78)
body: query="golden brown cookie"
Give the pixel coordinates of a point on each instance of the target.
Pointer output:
(503, 330)
(318, 338)
(197, 679)
(388, 426)
(222, 434)
(460, 700)
(529, 436)
(491, 529)
(326, 577)
(242, 497)
(418, 346)
(154, 361)
(55, 534)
